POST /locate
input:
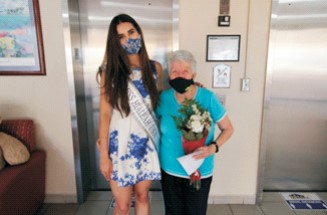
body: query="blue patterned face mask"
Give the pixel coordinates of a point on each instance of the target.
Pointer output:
(132, 46)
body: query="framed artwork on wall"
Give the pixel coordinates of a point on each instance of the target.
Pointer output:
(223, 47)
(21, 46)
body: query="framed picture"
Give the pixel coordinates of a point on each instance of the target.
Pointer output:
(21, 46)
(223, 47)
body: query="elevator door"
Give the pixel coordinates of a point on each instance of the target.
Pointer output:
(156, 21)
(295, 113)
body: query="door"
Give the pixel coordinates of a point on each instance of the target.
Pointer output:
(295, 113)
(156, 19)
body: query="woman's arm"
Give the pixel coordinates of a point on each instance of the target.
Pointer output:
(104, 124)
(226, 129)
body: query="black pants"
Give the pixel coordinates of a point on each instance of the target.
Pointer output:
(181, 198)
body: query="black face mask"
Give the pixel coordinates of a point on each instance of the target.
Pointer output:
(181, 84)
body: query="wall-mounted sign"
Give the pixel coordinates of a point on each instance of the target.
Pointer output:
(224, 7)
(222, 76)
(224, 21)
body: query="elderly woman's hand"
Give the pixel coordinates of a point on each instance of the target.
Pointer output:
(206, 151)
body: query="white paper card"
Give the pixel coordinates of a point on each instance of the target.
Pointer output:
(189, 163)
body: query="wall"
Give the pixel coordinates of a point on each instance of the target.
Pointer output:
(45, 100)
(236, 167)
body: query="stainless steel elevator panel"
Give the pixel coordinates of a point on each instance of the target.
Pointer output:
(158, 21)
(295, 110)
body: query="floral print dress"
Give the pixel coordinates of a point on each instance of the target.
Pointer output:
(132, 152)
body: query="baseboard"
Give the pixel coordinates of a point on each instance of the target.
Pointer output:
(245, 200)
(57, 198)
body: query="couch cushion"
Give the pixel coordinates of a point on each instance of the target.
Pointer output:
(13, 150)
(22, 129)
(2, 160)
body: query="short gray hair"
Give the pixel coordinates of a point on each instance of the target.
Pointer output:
(182, 55)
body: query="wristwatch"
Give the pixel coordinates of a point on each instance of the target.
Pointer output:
(217, 147)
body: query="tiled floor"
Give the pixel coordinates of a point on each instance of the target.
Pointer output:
(98, 203)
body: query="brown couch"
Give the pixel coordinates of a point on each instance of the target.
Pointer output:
(22, 187)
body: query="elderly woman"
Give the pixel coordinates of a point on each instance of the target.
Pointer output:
(179, 196)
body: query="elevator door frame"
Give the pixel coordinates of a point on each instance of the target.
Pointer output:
(284, 22)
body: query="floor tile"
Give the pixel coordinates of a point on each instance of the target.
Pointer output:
(156, 196)
(323, 196)
(157, 208)
(93, 207)
(297, 212)
(99, 196)
(62, 209)
(274, 208)
(272, 197)
(246, 210)
(219, 209)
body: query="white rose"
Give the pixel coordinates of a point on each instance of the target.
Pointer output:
(196, 126)
(195, 109)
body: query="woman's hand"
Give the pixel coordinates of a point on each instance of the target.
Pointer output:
(199, 84)
(106, 167)
(206, 151)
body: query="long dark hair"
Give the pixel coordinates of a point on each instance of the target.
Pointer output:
(116, 66)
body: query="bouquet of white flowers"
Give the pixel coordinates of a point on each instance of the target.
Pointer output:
(194, 123)
(194, 120)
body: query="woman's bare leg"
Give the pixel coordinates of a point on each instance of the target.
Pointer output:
(142, 200)
(123, 197)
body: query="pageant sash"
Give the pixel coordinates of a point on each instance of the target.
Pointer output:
(142, 113)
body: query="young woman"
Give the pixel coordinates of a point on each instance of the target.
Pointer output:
(130, 85)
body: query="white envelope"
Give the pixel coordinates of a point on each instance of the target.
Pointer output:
(189, 163)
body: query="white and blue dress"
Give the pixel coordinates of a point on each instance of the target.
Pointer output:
(133, 154)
